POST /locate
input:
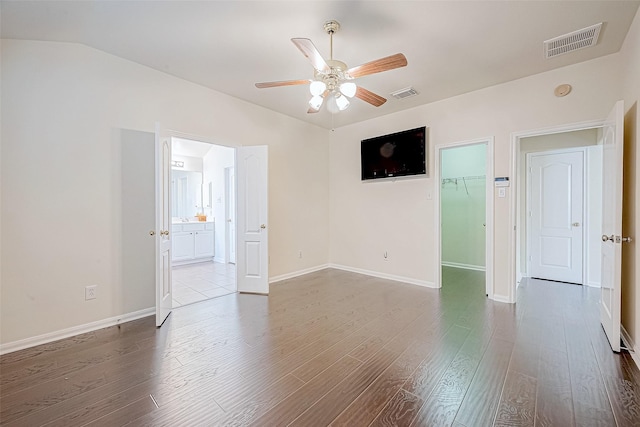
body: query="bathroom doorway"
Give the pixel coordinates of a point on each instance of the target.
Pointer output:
(201, 199)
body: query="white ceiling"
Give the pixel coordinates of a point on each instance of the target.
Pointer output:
(452, 47)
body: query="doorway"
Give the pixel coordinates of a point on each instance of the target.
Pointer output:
(464, 213)
(560, 206)
(200, 207)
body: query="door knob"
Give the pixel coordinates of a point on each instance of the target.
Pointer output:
(627, 240)
(605, 237)
(164, 233)
(576, 224)
(263, 226)
(152, 233)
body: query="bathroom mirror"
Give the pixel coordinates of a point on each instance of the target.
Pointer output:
(186, 197)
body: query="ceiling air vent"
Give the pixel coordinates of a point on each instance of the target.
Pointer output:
(575, 40)
(404, 93)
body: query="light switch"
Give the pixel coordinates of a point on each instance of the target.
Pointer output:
(502, 192)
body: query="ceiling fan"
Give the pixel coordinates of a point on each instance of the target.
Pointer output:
(333, 80)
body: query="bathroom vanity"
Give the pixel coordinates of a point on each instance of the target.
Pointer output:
(192, 241)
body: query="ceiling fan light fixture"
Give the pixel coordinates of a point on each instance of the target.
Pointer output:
(317, 88)
(316, 102)
(342, 102)
(348, 89)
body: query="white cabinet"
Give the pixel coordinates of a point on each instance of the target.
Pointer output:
(192, 242)
(182, 245)
(203, 243)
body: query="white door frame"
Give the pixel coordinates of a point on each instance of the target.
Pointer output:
(514, 217)
(229, 208)
(489, 245)
(585, 211)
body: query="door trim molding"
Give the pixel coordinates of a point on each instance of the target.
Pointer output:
(489, 209)
(514, 276)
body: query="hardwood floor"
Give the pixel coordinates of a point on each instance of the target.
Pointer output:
(340, 349)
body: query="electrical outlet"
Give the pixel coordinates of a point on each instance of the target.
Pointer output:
(90, 292)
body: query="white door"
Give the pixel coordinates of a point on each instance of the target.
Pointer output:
(612, 225)
(252, 232)
(163, 226)
(230, 175)
(556, 216)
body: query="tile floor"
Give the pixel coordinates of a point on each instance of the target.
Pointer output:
(201, 281)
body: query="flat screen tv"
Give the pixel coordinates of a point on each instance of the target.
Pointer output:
(398, 154)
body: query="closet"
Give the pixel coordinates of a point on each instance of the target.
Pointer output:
(463, 206)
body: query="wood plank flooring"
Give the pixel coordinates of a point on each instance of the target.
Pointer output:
(341, 349)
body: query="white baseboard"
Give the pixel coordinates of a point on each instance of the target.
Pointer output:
(464, 266)
(191, 261)
(501, 298)
(626, 338)
(593, 284)
(291, 275)
(219, 260)
(76, 330)
(409, 280)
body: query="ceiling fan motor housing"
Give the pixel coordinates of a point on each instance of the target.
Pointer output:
(336, 75)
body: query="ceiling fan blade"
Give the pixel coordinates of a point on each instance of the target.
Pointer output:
(370, 97)
(383, 64)
(282, 83)
(309, 50)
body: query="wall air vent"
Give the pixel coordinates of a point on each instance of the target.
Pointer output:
(404, 93)
(575, 40)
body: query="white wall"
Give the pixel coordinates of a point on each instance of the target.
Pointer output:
(215, 161)
(369, 218)
(135, 248)
(61, 104)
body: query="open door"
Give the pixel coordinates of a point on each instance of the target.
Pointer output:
(251, 227)
(163, 226)
(612, 224)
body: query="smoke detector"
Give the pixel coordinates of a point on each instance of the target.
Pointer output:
(570, 42)
(562, 90)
